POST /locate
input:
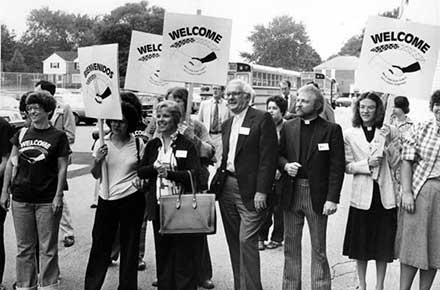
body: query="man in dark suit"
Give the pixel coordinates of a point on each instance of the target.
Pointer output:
(249, 159)
(312, 160)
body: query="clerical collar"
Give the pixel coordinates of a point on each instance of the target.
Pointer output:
(368, 128)
(308, 122)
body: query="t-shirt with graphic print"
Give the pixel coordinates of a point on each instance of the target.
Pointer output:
(37, 173)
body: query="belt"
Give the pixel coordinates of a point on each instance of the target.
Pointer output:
(231, 174)
(215, 133)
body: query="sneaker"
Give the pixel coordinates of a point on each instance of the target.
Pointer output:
(207, 284)
(274, 245)
(69, 241)
(94, 205)
(155, 284)
(261, 245)
(142, 266)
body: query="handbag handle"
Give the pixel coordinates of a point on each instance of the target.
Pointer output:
(194, 200)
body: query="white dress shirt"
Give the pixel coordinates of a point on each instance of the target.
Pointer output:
(233, 138)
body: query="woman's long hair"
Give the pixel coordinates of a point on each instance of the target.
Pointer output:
(379, 114)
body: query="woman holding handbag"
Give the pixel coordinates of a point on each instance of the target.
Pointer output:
(123, 207)
(166, 161)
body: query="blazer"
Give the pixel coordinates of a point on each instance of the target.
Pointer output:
(357, 151)
(325, 162)
(255, 156)
(147, 171)
(207, 108)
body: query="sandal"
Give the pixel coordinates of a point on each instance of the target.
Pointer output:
(273, 245)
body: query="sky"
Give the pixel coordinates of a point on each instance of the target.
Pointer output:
(329, 24)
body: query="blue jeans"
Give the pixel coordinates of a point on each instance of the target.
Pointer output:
(36, 223)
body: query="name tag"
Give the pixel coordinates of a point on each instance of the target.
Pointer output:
(323, 147)
(243, 131)
(181, 153)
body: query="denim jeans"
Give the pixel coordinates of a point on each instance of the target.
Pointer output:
(36, 223)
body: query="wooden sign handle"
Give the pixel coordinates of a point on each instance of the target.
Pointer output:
(104, 168)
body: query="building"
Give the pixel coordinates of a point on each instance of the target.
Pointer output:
(62, 68)
(342, 69)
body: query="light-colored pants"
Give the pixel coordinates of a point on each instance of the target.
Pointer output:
(66, 227)
(34, 223)
(293, 227)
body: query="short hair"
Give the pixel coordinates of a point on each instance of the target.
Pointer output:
(47, 86)
(319, 98)
(173, 108)
(402, 103)
(280, 102)
(286, 82)
(179, 93)
(132, 99)
(380, 110)
(44, 99)
(22, 103)
(130, 114)
(222, 88)
(242, 86)
(313, 83)
(435, 99)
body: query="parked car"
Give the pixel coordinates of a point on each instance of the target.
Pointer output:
(13, 116)
(75, 100)
(343, 102)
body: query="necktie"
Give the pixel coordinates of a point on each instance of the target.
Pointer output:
(215, 122)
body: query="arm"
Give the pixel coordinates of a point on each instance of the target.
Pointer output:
(146, 168)
(336, 165)
(57, 203)
(192, 163)
(4, 199)
(69, 125)
(352, 166)
(406, 182)
(393, 149)
(282, 150)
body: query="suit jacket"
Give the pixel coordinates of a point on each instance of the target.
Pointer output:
(207, 109)
(255, 156)
(64, 120)
(357, 151)
(325, 162)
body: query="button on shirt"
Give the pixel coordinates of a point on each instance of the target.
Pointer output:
(237, 121)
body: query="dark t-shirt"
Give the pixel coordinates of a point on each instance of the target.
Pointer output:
(37, 174)
(6, 132)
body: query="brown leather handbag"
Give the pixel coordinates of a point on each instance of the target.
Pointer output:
(188, 213)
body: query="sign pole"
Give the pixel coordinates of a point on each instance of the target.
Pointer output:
(104, 168)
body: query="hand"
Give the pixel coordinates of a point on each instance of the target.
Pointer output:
(292, 168)
(162, 170)
(329, 208)
(260, 201)
(408, 202)
(374, 161)
(189, 133)
(102, 152)
(138, 183)
(385, 131)
(57, 204)
(5, 200)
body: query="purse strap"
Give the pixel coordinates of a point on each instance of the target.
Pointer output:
(194, 199)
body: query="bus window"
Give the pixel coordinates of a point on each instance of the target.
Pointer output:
(243, 76)
(254, 78)
(259, 79)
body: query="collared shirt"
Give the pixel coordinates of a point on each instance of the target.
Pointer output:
(422, 147)
(233, 138)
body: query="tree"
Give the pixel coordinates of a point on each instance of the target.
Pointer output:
(354, 44)
(17, 63)
(283, 43)
(8, 45)
(117, 26)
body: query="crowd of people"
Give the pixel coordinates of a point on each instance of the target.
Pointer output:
(281, 166)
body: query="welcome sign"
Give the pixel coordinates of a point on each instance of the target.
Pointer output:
(143, 67)
(398, 57)
(100, 81)
(195, 48)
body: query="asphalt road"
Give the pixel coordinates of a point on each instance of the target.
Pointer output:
(73, 260)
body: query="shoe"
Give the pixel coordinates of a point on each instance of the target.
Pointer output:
(261, 246)
(155, 284)
(94, 205)
(142, 266)
(207, 284)
(69, 241)
(273, 245)
(14, 285)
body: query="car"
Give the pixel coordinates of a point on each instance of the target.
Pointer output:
(343, 102)
(75, 100)
(13, 116)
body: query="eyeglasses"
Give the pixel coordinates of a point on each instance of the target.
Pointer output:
(234, 94)
(34, 107)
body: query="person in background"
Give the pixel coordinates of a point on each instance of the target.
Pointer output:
(213, 113)
(372, 219)
(62, 119)
(165, 170)
(6, 131)
(285, 87)
(311, 159)
(123, 208)
(419, 247)
(249, 161)
(277, 107)
(41, 154)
